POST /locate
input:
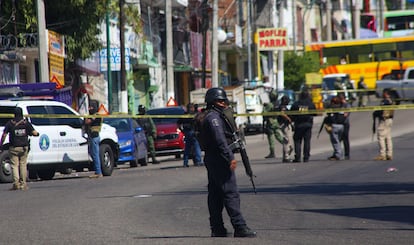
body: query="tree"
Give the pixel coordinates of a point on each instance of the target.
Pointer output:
(77, 20)
(296, 66)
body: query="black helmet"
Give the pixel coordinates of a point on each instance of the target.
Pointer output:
(285, 100)
(141, 109)
(214, 94)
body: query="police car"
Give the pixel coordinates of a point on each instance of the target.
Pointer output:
(62, 143)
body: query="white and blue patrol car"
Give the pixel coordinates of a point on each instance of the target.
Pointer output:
(62, 143)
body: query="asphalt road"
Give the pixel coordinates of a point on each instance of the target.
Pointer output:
(358, 201)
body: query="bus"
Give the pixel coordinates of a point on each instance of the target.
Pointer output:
(370, 58)
(398, 23)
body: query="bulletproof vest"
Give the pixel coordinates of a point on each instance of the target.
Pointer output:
(282, 120)
(387, 113)
(19, 134)
(302, 106)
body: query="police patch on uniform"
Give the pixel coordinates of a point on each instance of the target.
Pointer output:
(215, 122)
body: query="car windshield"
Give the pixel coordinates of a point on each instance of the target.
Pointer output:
(166, 111)
(329, 83)
(121, 124)
(288, 93)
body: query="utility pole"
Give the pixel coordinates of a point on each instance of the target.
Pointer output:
(42, 43)
(214, 47)
(169, 53)
(355, 18)
(204, 27)
(108, 57)
(294, 25)
(124, 93)
(328, 20)
(280, 56)
(249, 41)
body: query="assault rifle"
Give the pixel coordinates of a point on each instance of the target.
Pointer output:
(238, 144)
(241, 148)
(325, 121)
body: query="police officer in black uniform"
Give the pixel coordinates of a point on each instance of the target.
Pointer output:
(221, 164)
(303, 126)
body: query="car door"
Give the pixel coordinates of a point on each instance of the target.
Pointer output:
(43, 148)
(140, 140)
(408, 85)
(71, 142)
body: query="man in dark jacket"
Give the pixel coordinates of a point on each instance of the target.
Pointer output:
(191, 144)
(217, 130)
(303, 126)
(19, 131)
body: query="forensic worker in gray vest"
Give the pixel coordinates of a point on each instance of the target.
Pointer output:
(19, 130)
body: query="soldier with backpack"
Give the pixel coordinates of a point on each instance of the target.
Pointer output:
(19, 130)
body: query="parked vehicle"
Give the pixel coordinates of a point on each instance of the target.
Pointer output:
(131, 139)
(254, 105)
(170, 139)
(62, 143)
(400, 83)
(289, 93)
(332, 84)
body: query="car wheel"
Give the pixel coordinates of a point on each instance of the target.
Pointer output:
(133, 163)
(66, 171)
(107, 159)
(33, 174)
(46, 174)
(5, 168)
(143, 161)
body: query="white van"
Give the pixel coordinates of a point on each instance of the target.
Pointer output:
(253, 105)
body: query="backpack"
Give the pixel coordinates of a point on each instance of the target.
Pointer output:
(198, 129)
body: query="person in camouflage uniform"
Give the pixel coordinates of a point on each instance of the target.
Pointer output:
(271, 129)
(150, 132)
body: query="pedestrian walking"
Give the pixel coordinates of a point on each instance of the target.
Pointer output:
(347, 126)
(221, 164)
(271, 129)
(303, 124)
(286, 127)
(192, 147)
(150, 132)
(385, 119)
(19, 130)
(93, 127)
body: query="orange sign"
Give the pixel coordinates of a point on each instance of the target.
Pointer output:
(102, 110)
(172, 102)
(57, 69)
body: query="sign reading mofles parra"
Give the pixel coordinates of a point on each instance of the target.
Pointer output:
(272, 39)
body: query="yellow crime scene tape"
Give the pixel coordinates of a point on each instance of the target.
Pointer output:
(276, 113)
